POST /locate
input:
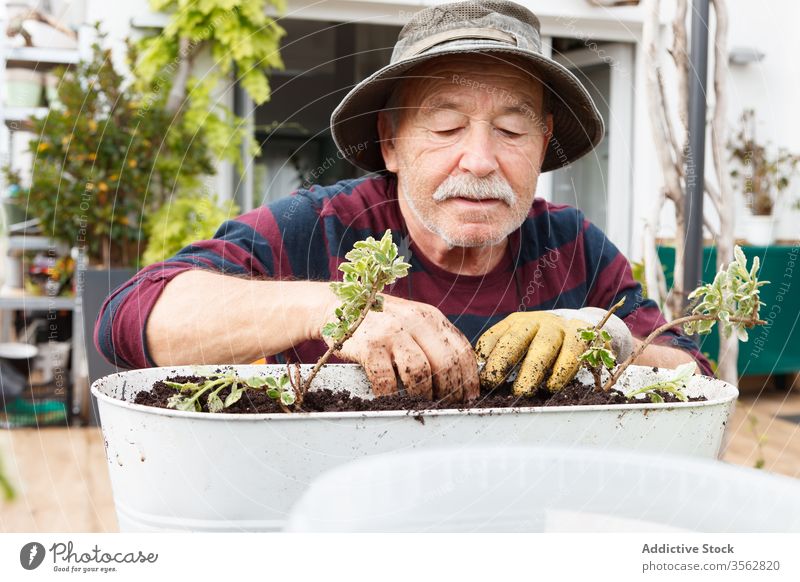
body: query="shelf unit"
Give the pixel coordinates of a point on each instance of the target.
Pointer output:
(12, 120)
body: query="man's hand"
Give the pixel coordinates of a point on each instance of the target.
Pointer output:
(547, 340)
(429, 354)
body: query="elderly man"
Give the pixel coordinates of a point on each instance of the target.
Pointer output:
(455, 132)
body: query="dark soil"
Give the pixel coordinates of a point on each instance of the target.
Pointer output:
(256, 401)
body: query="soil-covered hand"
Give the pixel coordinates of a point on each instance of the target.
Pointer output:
(415, 342)
(548, 340)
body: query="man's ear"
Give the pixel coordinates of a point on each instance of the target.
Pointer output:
(386, 140)
(546, 138)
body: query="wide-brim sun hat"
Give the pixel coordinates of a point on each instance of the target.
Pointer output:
(497, 28)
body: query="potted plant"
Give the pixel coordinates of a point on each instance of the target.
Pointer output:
(105, 157)
(762, 176)
(249, 439)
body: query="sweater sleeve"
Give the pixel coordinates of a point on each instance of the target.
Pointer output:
(609, 279)
(252, 245)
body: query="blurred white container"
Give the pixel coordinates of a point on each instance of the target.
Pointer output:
(51, 82)
(760, 230)
(23, 88)
(174, 470)
(53, 359)
(545, 489)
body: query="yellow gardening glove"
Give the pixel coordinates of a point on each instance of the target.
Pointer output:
(550, 342)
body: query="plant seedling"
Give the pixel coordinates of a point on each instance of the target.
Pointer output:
(189, 393)
(370, 266)
(598, 354)
(732, 299)
(673, 386)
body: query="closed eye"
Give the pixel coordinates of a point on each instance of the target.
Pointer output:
(447, 132)
(511, 134)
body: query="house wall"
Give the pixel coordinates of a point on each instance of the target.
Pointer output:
(769, 86)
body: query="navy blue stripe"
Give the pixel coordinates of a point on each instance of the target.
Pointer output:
(249, 240)
(600, 252)
(634, 299)
(199, 257)
(473, 326)
(553, 229)
(344, 237)
(302, 234)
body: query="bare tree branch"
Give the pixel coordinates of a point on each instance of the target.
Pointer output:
(729, 346)
(677, 150)
(659, 118)
(187, 51)
(713, 193)
(680, 55)
(653, 270)
(712, 231)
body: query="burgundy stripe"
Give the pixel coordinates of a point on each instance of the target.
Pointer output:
(263, 222)
(610, 281)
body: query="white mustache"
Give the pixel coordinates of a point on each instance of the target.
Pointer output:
(472, 188)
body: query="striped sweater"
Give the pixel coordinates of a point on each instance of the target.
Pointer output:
(556, 259)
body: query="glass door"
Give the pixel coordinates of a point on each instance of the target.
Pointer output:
(599, 183)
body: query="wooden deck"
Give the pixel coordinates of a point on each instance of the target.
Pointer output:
(63, 485)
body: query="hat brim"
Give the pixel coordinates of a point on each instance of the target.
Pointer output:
(577, 124)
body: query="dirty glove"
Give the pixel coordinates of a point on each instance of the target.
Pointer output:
(546, 339)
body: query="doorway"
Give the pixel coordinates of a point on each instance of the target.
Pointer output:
(600, 183)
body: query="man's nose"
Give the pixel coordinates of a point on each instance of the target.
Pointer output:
(478, 154)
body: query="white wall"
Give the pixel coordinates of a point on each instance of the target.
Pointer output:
(771, 87)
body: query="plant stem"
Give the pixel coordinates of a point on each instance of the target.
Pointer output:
(748, 321)
(338, 345)
(609, 313)
(595, 372)
(597, 380)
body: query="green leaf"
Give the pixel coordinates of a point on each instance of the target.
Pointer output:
(234, 396)
(739, 255)
(174, 401)
(287, 398)
(741, 334)
(684, 372)
(655, 398)
(214, 403)
(256, 381)
(587, 334)
(274, 393)
(187, 387)
(188, 405)
(609, 361)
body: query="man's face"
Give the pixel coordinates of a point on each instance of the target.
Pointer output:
(468, 147)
